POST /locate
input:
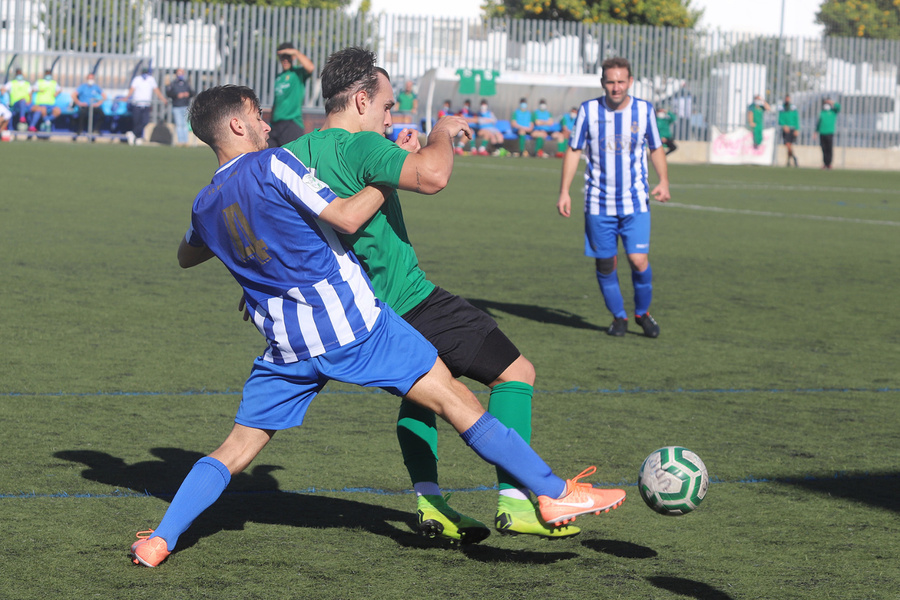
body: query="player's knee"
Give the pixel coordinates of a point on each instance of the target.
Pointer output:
(521, 370)
(606, 266)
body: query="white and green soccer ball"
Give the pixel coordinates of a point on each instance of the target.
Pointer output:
(673, 481)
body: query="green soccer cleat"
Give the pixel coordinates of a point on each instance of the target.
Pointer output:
(437, 519)
(521, 517)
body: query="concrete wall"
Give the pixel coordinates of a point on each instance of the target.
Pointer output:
(693, 153)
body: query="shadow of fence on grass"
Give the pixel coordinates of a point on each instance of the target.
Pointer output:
(254, 496)
(540, 314)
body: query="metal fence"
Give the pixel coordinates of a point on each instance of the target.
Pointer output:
(706, 78)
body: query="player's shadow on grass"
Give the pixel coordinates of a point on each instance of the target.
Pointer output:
(689, 587)
(552, 316)
(619, 548)
(881, 490)
(254, 496)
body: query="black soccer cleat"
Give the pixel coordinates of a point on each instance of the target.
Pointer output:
(618, 328)
(648, 324)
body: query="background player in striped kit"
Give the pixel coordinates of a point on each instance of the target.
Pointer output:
(615, 132)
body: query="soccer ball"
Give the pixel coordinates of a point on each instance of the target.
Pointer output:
(673, 481)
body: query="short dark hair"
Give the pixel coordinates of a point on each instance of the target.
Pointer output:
(211, 108)
(616, 62)
(347, 72)
(284, 46)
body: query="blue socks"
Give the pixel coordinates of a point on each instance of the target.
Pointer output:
(643, 290)
(503, 447)
(202, 486)
(612, 295)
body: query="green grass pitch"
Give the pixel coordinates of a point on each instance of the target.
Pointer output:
(778, 364)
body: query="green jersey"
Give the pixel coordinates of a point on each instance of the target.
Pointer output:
(290, 89)
(405, 101)
(827, 119)
(788, 117)
(347, 162)
(757, 111)
(664, 124)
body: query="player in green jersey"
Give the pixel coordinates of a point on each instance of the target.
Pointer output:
(350, 152)
(789, 121)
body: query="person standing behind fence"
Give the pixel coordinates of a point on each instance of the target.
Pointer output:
(290, 91)
(141, 92)
(789, 120)
(181, 92)
(89, 98)
(664, 121)
(19, 99)
(825, 129)
(755, 113)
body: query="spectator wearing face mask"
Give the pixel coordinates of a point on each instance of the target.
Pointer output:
(89, 98)
(523, 125)
(45, 109)
(664, 121)
(19, 99)
(544, 124)
(825, 128)
(141, 92)
(566, 125)
(181, 92)
(755, 113)
(488, 137)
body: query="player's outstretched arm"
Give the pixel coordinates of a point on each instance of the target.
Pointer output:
(428, 170)
(347, 215)
(191, 256)
(658, 158)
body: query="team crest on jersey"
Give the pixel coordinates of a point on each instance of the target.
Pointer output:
(635, 127)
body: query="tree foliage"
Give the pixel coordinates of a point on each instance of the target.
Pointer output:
(659, 13)
(875, 19)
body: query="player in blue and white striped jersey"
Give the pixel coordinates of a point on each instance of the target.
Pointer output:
(617, 133)
(274, 227)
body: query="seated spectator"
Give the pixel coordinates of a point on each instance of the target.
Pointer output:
(407, 104)
(472, 119)
(566, 126)
(19, 90)
(88, 97)
(488, 137)
(45, 109)
(445, 110)
(544, 124)
(5, 116)
(523, 125)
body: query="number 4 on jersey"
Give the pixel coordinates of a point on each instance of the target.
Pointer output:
(246, 245)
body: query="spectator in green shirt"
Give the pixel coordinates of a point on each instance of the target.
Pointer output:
(755, 114)
(407, 104)
(825, 129)
(789, 121)
(290, 90)
(664, 121)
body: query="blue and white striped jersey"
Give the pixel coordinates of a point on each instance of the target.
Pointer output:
(306, 291)
(615, 145)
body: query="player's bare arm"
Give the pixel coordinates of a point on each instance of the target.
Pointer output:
(347, 215)
(428, 170)
(661, 191)
(191, 256)
(570, 166)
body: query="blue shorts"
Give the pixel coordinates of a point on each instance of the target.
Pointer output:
(602, 233)
(393, 356)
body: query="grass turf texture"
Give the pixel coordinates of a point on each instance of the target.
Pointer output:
(775, 290)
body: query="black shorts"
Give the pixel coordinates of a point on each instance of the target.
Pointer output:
(789, 136)
(283, 132)
(467, 339)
